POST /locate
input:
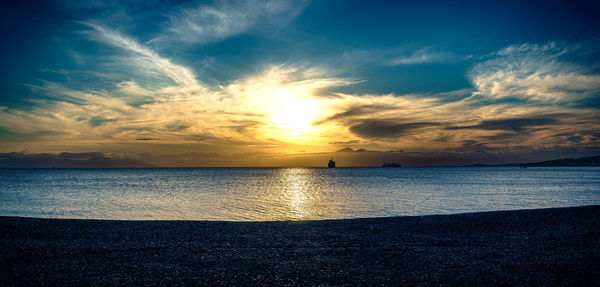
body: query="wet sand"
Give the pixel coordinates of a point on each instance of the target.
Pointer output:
(529, 247)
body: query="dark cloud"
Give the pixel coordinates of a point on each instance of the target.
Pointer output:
(346, 142)
(515, 125)
(387, 128)
(503, 137)
(244, 126)
(472, 146)
(356, 111)
(200, 137)
(136, 129)
(177, 127)
(443, 138)
(586, 136)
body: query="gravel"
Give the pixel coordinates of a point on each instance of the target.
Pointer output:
(558, 246)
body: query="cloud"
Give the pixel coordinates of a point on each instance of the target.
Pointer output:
(396, 56)
(387, 129)
(472, 146)
(428, 122)
(146, 56)
(545, 73)
(287, 108)
(249, 111)
(356, 111)
(210, 23)
(423, 56)
(346, 142)
(516, 124)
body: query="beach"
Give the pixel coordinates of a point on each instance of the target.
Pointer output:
(558, 246)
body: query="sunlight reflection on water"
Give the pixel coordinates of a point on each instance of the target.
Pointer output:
(250, 194)
(295, 192)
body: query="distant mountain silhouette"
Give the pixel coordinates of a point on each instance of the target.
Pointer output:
(584, 161)
(348, 149)
(363, 150)
(68, 160)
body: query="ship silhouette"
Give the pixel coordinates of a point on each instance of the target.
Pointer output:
(391, 164)
(331, 163)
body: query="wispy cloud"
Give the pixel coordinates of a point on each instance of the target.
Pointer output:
(398, 56)
(548, 73)
(210, 23)
(412, 120)
(177, 73)
(286, 108)
(423, 56)
(248, 111)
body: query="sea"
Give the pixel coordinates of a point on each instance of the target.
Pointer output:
(275, 194)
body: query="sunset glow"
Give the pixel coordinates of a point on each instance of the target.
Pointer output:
(283, 83)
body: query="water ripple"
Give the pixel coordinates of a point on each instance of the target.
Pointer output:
(250, 194)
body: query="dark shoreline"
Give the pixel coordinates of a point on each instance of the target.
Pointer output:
(558, 246)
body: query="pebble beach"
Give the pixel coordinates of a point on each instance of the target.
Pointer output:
(559, 246)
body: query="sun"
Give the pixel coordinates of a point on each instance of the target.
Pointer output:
(293, 114)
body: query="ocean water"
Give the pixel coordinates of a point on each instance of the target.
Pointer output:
(257, 194)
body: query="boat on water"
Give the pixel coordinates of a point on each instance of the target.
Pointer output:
(391, 164)
(331, 163)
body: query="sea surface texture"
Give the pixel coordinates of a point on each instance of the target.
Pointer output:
(264, 194)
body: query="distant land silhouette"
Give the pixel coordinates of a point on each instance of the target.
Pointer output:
(68, 160)
(584, 161)
(348, 149)
(100, 160)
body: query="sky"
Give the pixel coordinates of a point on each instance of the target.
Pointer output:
(292, 83)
